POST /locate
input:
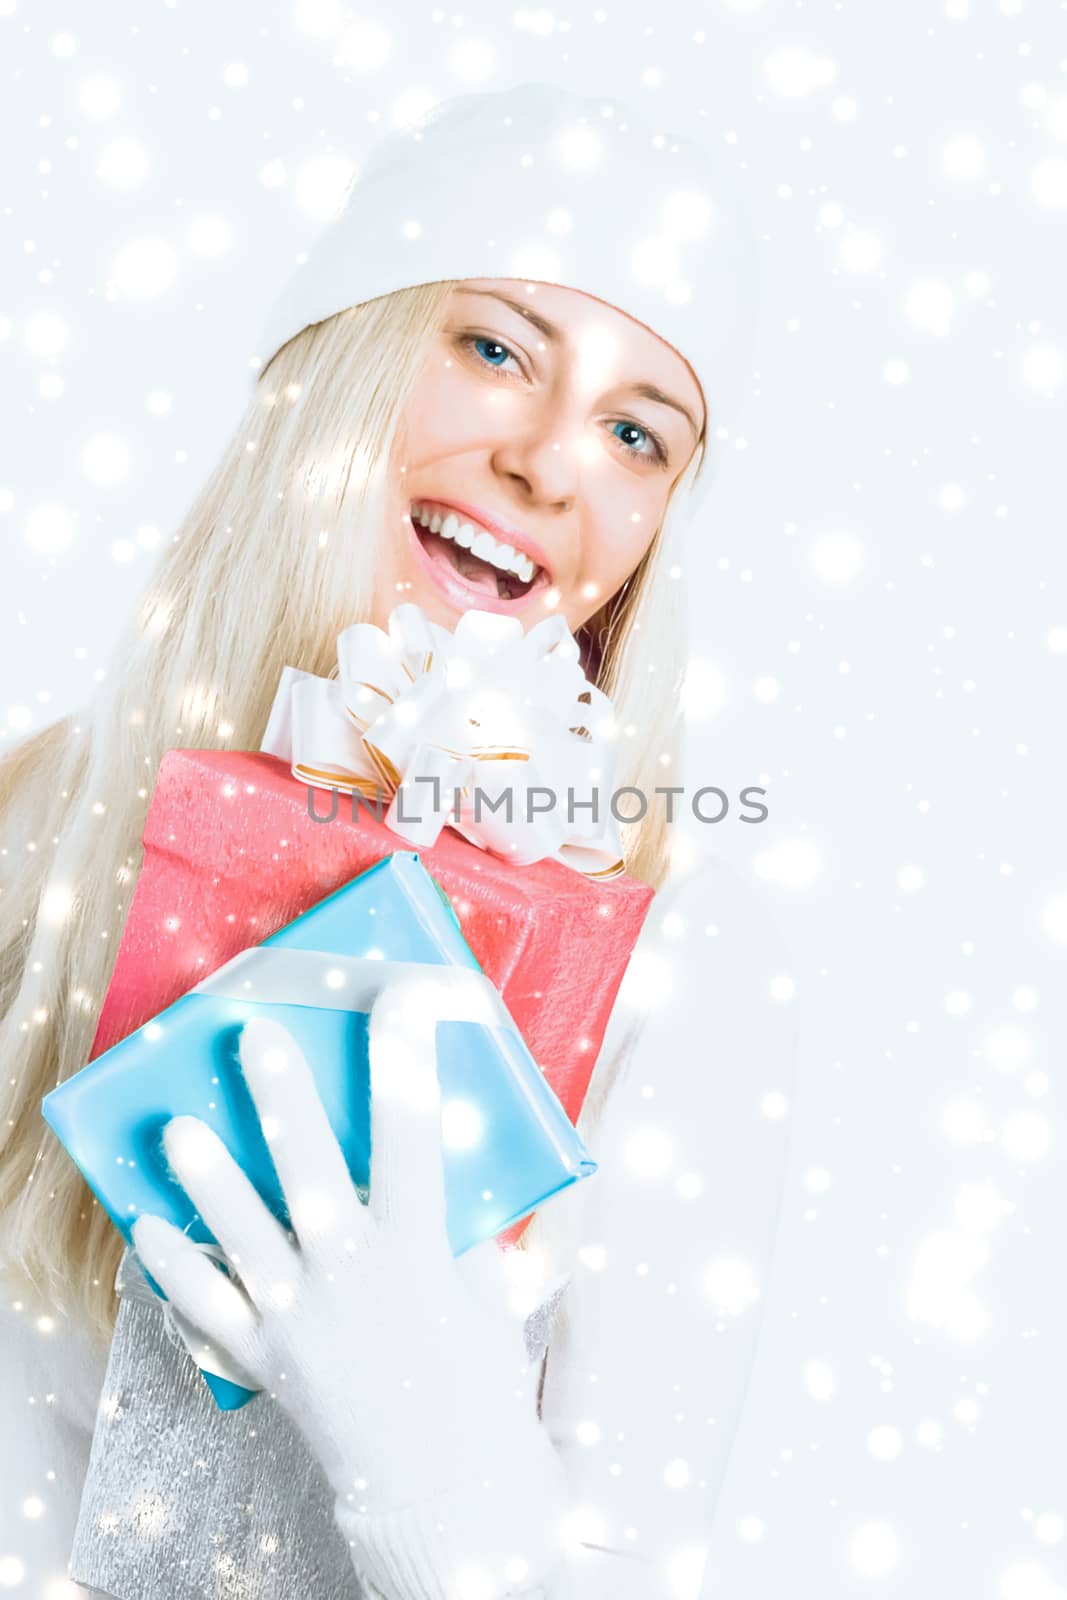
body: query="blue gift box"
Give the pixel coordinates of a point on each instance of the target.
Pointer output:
(508, 1143)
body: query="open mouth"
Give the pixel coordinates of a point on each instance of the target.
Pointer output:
(463, 547)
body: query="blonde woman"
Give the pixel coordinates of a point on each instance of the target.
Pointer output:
(493, 385)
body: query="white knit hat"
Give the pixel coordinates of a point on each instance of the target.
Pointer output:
(538, 184)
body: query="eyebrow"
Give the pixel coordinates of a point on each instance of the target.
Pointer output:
(549, 329)
(644, 391)
(648, 391)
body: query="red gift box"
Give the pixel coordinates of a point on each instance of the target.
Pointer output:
(232, 854)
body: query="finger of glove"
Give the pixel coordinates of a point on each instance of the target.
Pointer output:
(197, 1289)
(253, 1241)
(321, 1198)
(483, 1270)
(507, 1283)
(210, 1355)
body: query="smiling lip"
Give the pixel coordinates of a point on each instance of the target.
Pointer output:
(466, 596)
(499, 530)
(461, 594)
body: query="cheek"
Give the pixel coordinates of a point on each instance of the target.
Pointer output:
(626, 514)
(450, 412)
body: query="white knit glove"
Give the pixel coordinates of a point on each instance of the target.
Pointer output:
(405, 1369)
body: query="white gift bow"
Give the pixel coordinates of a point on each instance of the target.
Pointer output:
(423, 715)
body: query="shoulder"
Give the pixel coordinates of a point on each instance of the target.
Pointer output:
(695, 1076)
(710, 972)
(712, 902)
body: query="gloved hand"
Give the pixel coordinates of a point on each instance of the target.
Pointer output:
(404, 1368)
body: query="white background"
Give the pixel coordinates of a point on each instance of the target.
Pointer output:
(879, 621)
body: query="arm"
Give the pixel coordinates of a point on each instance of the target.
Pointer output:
(665, 1368)
(406, 1373)
(647, 1372)
(458, 1471)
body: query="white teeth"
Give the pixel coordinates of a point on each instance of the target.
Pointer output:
(478, 540)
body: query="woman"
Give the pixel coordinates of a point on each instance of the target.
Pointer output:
(489, 387)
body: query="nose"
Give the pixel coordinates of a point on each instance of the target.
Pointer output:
(539, 456)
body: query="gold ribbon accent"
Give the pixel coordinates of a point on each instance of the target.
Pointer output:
(436, 714)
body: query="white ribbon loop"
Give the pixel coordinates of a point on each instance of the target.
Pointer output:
(487, 730)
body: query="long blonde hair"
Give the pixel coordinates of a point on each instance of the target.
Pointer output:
(275, 557)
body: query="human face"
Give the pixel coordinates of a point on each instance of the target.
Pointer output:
(546, 431)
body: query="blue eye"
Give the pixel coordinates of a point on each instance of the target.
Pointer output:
(492, 352)
(640, 442)
(631, 435)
